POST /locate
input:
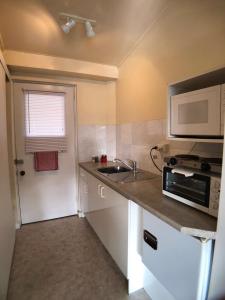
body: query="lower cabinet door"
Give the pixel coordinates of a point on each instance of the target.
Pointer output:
(108, 215)
(180, 262)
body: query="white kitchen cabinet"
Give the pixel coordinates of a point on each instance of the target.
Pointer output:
(180, 262)
(118, 223)
(179, 267)
(107, 212)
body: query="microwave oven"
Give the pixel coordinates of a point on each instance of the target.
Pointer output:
(200, 190)
(198, 113)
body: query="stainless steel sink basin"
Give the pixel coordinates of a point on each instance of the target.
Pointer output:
(124, 175)
(113, 170)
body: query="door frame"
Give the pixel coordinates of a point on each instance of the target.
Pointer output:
(43, 81)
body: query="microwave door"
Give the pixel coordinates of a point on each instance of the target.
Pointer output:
(196, 113)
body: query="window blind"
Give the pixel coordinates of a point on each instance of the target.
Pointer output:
(44, 121)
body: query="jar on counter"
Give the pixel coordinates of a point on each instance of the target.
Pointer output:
(103, 158)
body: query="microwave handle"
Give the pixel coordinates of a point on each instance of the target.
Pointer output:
(184, 172)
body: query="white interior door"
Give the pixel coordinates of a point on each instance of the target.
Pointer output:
(47, 194)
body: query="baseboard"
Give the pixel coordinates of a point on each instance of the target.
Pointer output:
(80, 214)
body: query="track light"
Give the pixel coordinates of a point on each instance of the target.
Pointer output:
(71, 22)
(89, 29)
(68, 26)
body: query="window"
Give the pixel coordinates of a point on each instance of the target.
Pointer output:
(44, 121)
(44, 114)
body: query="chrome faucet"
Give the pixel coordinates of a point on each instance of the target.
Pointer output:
(129, 163)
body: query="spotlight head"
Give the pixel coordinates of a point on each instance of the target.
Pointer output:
(89, 29)
(69, 24)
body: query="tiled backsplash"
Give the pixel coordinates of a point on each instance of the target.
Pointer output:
(134, 141)
(96, 140)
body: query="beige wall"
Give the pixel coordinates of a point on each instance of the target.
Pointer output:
(188, 39)
(7, 229)
(96, 103)
(96, 97)
(96, 100)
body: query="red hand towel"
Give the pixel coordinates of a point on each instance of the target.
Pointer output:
(46, 161)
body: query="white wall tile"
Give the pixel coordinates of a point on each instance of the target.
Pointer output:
(126, 133)
(95, 140)
(148, 134)
(134, 141)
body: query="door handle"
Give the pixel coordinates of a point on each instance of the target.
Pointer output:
(22, 173)
(150, 239)
(182, 172)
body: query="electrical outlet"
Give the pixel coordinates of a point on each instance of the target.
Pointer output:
(163, 147)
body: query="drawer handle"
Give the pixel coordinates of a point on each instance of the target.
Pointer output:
(150, 239)
(99, 188)
(102, 192)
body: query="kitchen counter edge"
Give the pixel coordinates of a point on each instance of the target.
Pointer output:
(171, 219)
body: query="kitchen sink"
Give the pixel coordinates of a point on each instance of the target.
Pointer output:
(124, 175)
(113, 170)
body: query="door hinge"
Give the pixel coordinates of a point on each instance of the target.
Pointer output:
(18, 161)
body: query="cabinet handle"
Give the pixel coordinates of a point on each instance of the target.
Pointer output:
(150, 239)
(99, 188)
(101, 192)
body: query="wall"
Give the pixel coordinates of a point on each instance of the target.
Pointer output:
(7, 226)
(188, 39)
(96, 104)
(96, 112)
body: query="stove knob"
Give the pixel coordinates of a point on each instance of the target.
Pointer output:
(173, 161)
(205, 167)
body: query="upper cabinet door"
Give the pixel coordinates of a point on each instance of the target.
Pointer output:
(196, 113)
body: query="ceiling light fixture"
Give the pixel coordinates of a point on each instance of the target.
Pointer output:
(69, 24)
(72, 20)
(89, 29)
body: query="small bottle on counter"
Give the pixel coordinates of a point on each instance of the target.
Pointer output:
(95, 159)
(103, 158)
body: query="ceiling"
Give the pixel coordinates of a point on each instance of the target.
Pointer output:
(33, 26)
